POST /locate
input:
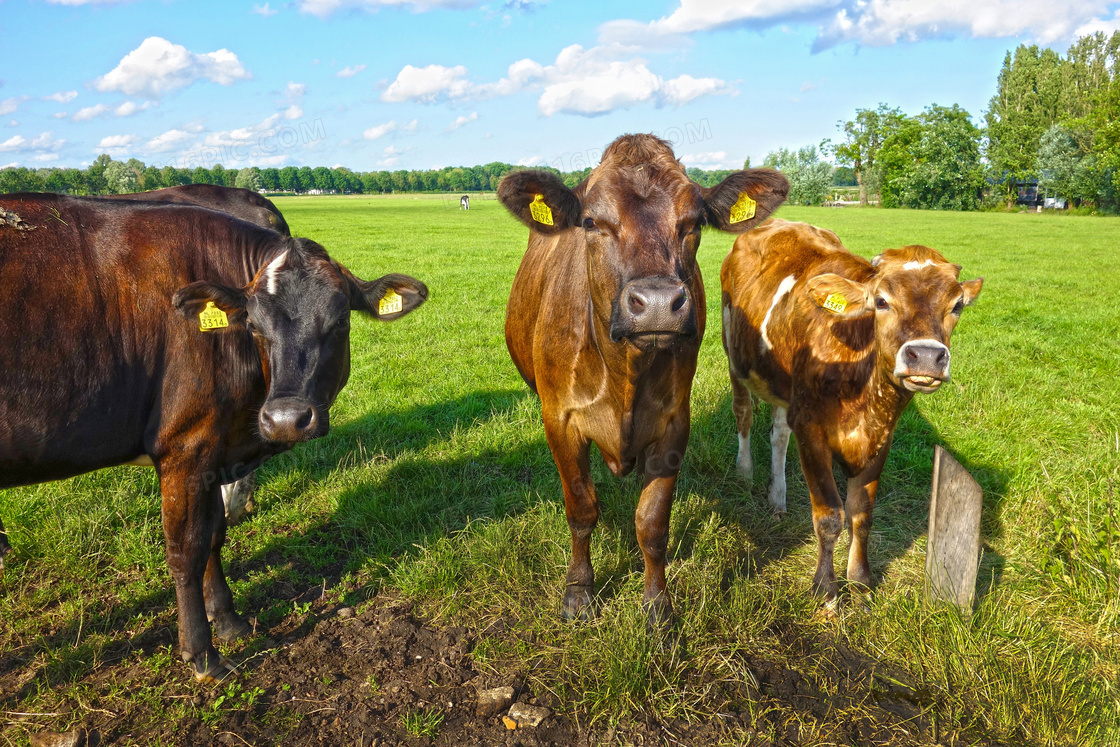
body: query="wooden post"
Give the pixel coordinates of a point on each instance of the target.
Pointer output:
(953, 549)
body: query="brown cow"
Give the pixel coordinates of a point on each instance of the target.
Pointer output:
(242, 203)
(604, 322)
(246, 205)
(177, 337)
(837, 346)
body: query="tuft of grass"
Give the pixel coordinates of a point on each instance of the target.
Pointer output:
(422, 722)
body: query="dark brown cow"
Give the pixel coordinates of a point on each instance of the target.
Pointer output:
(604, 322)
(243, 203)
(246, 205)
(107, 363)
(837, 345)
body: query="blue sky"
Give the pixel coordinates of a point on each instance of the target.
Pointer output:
(417, 84)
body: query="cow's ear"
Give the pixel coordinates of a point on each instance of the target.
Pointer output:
(744, 199)
(215, 308)
(971, 290)
(388, 298)
(540, 200)
(840, 296)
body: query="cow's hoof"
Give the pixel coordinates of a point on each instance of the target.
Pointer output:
(212, 668)
(659, 613)
(576, 604)
(230, 626)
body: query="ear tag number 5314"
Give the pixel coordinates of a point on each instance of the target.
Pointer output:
(390, 303)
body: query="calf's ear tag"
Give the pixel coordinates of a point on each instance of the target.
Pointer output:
(836, 303)
(212, 318)
(541, 213)
(743, 209)
(390, 303)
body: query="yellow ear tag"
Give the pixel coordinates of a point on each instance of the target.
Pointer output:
(541, 213)
(390, 303)
(743, 209)
(212, 318)
(836, 303)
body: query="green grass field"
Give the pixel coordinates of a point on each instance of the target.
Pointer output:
(436, 483)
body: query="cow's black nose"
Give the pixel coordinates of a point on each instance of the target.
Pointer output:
(654, 305)
(288, 420)
(921, 358)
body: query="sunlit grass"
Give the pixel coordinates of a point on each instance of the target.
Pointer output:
(436, 482)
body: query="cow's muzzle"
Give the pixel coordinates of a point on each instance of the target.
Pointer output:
(653, 310)
(290, 420)
(922, 365)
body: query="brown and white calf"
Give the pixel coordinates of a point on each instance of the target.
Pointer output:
(837, 345)
(604, 322)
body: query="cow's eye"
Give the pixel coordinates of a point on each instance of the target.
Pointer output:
(342, 323)
(881, 304)
(589, 225)
(959, 307)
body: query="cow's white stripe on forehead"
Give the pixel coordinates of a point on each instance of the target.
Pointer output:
(915, 265)
(270, 272)
(783, 288)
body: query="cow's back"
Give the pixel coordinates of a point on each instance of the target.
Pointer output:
(86, 289)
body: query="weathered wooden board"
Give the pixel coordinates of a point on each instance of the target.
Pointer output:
(953, 550)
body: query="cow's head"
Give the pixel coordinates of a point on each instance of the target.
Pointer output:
(916, 300)
(639, 218)
(297, 308)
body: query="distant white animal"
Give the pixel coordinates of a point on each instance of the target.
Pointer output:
(465, 202)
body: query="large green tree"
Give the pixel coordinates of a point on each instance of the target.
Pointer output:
(863, 137)
(809, 177)
(932, 161)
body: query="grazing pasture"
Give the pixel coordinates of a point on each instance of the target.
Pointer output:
(435, 495)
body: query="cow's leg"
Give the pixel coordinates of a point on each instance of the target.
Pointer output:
(238, 498)
(225, 624)
(742, 404)
(651, 520)
(779, 442)
(816, 463)
(581, 505)
(5, 548)
(859, 505)
(191, 523)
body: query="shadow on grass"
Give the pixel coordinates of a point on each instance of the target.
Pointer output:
(901, 512)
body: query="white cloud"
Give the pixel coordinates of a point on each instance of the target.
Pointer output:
(15, 142)
(324, 8)
(13, 123)
(580, 81)
(264, 10)
(128, 108)
(714, 159)
(875, 22)
(62, 97)
(810, 85)
(8, 106)
(350, 71)
(11, 165)
(61, 115)
(85, 114)
(373, 133)
(116, 145)
(294, 91)
(707, 15)
(45, 157)
(45, 142)
(295, 111)
(530, 161)
(595, 81)
(460, 121)
(167, 141)
(428, 84)
(158, 67)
